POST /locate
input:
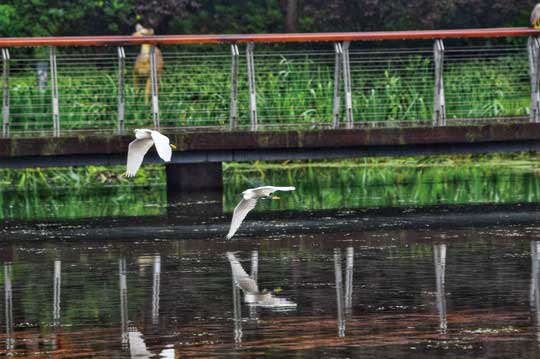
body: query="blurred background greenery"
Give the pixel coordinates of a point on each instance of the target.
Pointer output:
(117, 17)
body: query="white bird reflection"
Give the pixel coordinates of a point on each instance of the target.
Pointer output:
(343, 295)
(8, 297)
(439, 260)
(248, 285)
(241, 281)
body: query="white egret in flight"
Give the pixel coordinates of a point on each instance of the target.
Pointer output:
(144, 139)
(248, 202)
(535, 16)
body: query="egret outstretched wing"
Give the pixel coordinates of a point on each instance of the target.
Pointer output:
(274, 188)
(136, 151)
(163, 146)
(240, 212)
(266, 191)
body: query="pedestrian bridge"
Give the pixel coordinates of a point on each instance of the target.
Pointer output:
(71, 100)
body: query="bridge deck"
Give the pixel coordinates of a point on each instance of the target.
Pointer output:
(211, 145)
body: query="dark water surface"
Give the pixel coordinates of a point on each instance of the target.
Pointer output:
(464, 293)
(351, 264)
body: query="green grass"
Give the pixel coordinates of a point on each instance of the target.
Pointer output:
(290, 89)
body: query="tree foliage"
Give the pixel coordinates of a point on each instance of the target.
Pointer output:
(98, 17)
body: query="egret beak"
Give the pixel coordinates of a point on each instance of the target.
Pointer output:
(275, 197)
(173, 146)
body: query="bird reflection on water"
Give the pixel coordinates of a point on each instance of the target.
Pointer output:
(131, 336)
(241, 281)
(248, 284)
(375, 300)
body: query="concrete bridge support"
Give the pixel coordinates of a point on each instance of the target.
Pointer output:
(193, 177)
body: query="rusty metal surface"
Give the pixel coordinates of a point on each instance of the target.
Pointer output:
(244, 38)
(102, 144)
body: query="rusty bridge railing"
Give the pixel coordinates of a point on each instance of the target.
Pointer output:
(228, 82)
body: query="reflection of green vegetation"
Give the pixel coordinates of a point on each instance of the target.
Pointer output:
(393, 182)
(62, 203)
(370, 182)
(94, 191)
(90, 293)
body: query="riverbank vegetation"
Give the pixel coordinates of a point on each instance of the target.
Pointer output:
(292, 88)
(354, 183)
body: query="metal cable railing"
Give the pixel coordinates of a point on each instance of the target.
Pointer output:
(59, 86)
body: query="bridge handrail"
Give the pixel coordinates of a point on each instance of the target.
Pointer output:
(268, 38)
(197, 101)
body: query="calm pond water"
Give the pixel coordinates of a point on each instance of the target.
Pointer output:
(421, 278)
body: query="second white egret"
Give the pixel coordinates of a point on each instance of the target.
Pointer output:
(248, 202)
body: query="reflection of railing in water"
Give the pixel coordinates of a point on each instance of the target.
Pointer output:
(339, 292)
(57, 291)
(131, 337)
(439, 260)
(89, 91)
(534, 291)
(8, 298)
(343, 295)
(156, 275)
(122, 278)
(358, 325)
(237, 310)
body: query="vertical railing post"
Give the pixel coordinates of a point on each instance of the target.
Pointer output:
(154, 85)
(54, 92)
(5, 92)
(439, 109)
(533, 46)
(252, 88)
(233, 116)
(337, 74)
(347, 84)
(121, 89)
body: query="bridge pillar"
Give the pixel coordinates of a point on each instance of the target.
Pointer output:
(193, 177)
